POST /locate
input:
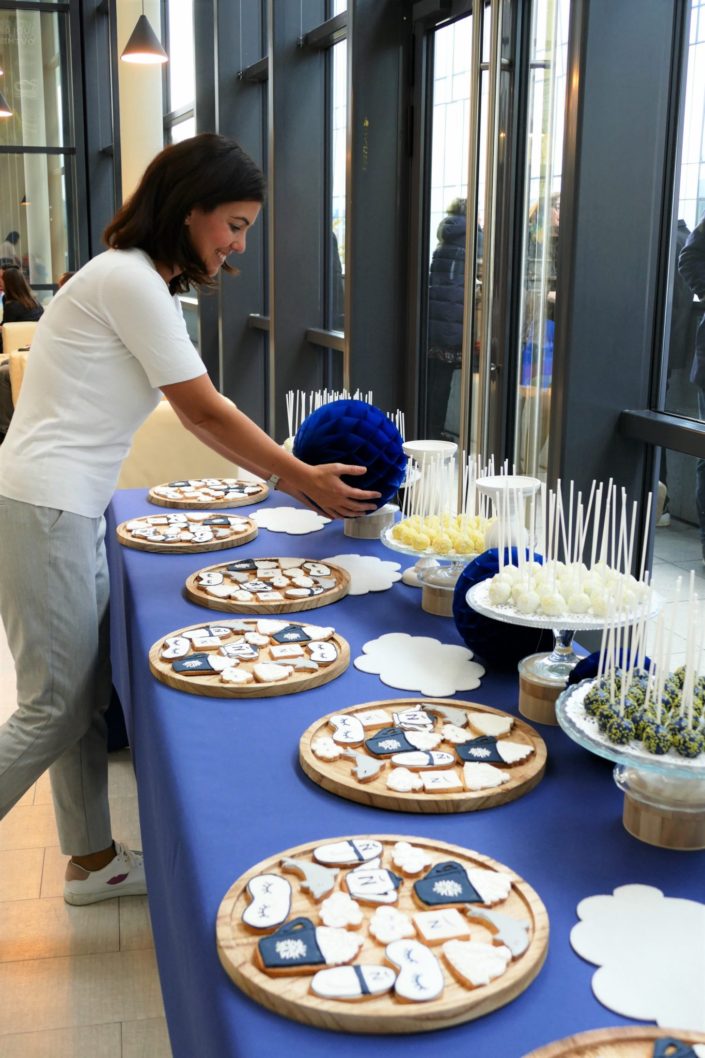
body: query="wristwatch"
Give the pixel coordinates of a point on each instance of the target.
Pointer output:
(273, 481)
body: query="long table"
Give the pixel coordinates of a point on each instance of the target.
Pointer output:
(220, 788)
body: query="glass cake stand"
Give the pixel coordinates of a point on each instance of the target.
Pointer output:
(435, 574)
(664, 796)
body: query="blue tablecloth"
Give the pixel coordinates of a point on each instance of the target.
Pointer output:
(220, 788)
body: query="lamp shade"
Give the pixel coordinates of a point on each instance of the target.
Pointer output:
(144, 46)
(5, 108)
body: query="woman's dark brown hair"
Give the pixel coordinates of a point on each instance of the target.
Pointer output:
(202, 172)
(18, 289)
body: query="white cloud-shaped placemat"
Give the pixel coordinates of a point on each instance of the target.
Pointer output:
(651, 952)
(293, 520)
(367, 573)
(419, 663)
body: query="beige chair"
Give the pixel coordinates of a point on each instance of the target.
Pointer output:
(17, 362)
(15, 335)
(164, 450)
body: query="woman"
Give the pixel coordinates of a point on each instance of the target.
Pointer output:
(111, 339)
(20, 304)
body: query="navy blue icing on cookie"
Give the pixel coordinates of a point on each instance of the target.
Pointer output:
(179, 484)
(482, 749)
(243, 565)
(217, 519)
(291, 634)
(293, 944)
(670, 1048)
(446, 883)
(193, 665)
(388, 741)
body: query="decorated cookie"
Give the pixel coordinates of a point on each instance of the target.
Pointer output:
(347, 730)
(420, 977)
(512, 932)
(271, 902)
(325, 748)
(435, 927)
(490, 723)
(322, 651)
(353, 983)
(269, 672)
(413, 720)
(194, 531)
(175, 647)
(483, 776)
(237, 677)
(317, 880)
(454, 734)
(388, 741)
(372, 718)
(300, 947)
(416, 759)
(449, 713)
(207, 492)
(365, 768)
(373, 884)
(494, 751)
(446, 884)
(341, 853)
(404, 781)
(446, 781)
(388, 924)
(474, 963)
(410, 859)
(341, 910)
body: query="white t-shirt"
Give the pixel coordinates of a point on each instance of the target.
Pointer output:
(108, 340)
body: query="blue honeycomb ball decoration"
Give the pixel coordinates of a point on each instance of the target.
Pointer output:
(499, 644)
(355, 432)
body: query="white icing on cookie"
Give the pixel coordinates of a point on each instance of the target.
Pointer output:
(420, 758)
(268, 672)
(175, 647)
(404, 781)
(413, 720)
(440, 781)
(341, 910)
(211, 576)
(286, 650)
(237, 676)
(511, 752)
(420, 976)
(317, 880)
(371, 883)
(271, 901)
(373, 718)
(434, 927)
(342, 853)
(322, 651)
(491, 886)
(388, 924)
(269, 627)
(346, 729)
(477, 776)
(346, 982)
(423, 739)
(475, 963)
(410, 859)
(325, 748)
(317, 632)
(337, 945)
(454, 734)
(490, 723)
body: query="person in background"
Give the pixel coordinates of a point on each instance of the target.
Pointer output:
(691, 265)
(112, 341)
(20, 304)
(8, 251)
(64, 278)
(446, 298)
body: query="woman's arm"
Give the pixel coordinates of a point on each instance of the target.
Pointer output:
(218, 423)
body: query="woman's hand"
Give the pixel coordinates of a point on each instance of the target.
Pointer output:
(328, 493)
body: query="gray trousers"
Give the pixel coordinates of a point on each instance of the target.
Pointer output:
(54, 606)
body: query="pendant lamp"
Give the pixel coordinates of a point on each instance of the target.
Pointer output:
(144, 45)
(5, 108)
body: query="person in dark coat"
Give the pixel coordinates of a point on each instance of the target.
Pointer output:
(20, 303)
(691, 265)
(446, 294)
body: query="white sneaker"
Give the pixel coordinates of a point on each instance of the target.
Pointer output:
(123, 876)
(663, 520)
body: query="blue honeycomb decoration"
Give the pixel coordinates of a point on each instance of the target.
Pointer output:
(499, 644)
(355, 432)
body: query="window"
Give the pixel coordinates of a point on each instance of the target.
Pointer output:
(180, 73)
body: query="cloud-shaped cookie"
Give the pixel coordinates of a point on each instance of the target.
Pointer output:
(419, 663)
(367, 573)
(651, 952)
(292, 520)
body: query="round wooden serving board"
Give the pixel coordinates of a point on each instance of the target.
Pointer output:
(201, 496)
(291, 996)
(211, 685)
(241, 531)
(199, 593)
(337, 775)
(630, 1042)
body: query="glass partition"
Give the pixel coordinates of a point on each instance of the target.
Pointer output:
(339, 115)
(33, 63)
(541, 212)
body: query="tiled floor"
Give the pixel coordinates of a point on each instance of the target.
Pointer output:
(73, 981)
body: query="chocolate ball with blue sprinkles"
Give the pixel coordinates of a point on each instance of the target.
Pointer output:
(620, 730)
(689, 743)
(656, 738)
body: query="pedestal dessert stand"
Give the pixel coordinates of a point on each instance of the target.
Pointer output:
(664, 796)
(435, 574)
(542, 677)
